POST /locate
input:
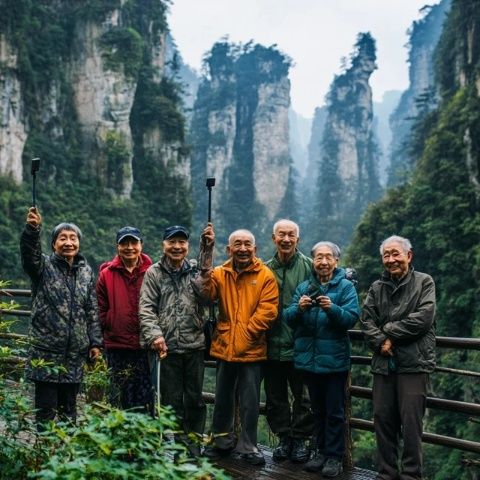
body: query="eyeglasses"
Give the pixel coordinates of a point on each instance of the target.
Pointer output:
(328, 256)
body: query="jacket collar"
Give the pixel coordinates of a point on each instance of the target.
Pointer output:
(165, 265)
(78, 261)
(338, 275)
(255, 266)
(117, 264)
(386, 278)
(276, 263)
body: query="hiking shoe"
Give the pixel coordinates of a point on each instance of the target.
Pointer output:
(253, 458)
(332, 467)
(283, 450)
(300, 452)
(212, 452)
(316, 462)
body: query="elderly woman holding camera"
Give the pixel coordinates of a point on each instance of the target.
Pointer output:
(322, 310)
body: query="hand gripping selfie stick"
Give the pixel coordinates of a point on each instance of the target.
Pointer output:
(33, 170)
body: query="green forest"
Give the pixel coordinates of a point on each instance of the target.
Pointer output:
(437, 207)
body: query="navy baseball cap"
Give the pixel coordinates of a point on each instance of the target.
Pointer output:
(129, 232)
(176, 231)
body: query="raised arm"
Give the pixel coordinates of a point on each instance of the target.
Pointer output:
(30, 247)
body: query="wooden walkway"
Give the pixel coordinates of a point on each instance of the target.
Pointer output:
(238, 469)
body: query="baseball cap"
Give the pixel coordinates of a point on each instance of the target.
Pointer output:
(176, 231)
(129, 232)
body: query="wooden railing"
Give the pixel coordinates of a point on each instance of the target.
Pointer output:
(472, 409)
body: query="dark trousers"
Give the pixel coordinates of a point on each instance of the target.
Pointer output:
(181, 382)
(243, 378)
(327, 396)
(399, 402)
(53, 399)
(294, 420)
(131, 385)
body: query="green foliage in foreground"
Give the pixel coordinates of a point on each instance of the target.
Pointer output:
(106, 444)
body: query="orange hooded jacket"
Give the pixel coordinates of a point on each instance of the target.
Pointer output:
(248, 306)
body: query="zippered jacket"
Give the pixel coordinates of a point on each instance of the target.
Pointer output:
(404, 313)
(169, 308)
(247, 308)
(118, 292)
(64, 322)
(288, 275)
(321, 337)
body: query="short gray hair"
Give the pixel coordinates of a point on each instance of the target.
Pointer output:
(241, 231)
(71, 227)
(286, 220)
(332, 246)
(404, 242)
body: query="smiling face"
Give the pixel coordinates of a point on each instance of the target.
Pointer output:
(129, 250)
(286, 239)
(241, 249)
(324, 263)
(396, 260)
(66, 245)
(176, 249)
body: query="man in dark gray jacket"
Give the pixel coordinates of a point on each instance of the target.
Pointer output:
(398, 322)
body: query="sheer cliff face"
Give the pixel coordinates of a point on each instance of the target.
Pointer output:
(88, 91)
(346, 155)
(240, 135)
(13, 132)
(103, 99)
(421, 95)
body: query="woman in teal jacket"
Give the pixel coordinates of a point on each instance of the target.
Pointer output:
(322, 310)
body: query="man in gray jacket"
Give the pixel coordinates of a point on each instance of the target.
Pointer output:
(171, 324)
(398, 323)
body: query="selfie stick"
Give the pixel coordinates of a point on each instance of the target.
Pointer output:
(33, 170)
(210, 184)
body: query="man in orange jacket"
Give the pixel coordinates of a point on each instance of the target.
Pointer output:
(247, 295)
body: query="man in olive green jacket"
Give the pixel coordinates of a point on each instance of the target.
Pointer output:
(292, 423)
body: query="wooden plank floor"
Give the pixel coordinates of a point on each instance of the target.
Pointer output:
(238, 469)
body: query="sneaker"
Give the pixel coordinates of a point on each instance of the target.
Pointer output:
(253, 458)
(213, 452)
(300, 452)
(283, 450)
(316, 462)
(332, 467)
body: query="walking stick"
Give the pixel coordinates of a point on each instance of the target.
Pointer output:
(35, 167)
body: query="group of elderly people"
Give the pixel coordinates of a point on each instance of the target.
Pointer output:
(285, 321)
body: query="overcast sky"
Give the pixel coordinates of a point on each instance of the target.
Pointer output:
(316, 34)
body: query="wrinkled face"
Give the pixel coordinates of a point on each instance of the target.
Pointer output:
(176, 249)
(324, 263)
(396, 260)
(242, 250)
(67, 245)
(286, 239)
(129, 250)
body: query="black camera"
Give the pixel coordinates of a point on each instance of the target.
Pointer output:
(313, 292)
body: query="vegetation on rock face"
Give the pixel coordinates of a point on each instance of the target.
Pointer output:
(68, 189)
(438, 210)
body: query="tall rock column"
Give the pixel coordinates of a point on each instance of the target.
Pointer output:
(240, 135)
(104, 91)
(348, 177)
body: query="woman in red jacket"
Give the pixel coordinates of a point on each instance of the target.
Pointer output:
(118, 290)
